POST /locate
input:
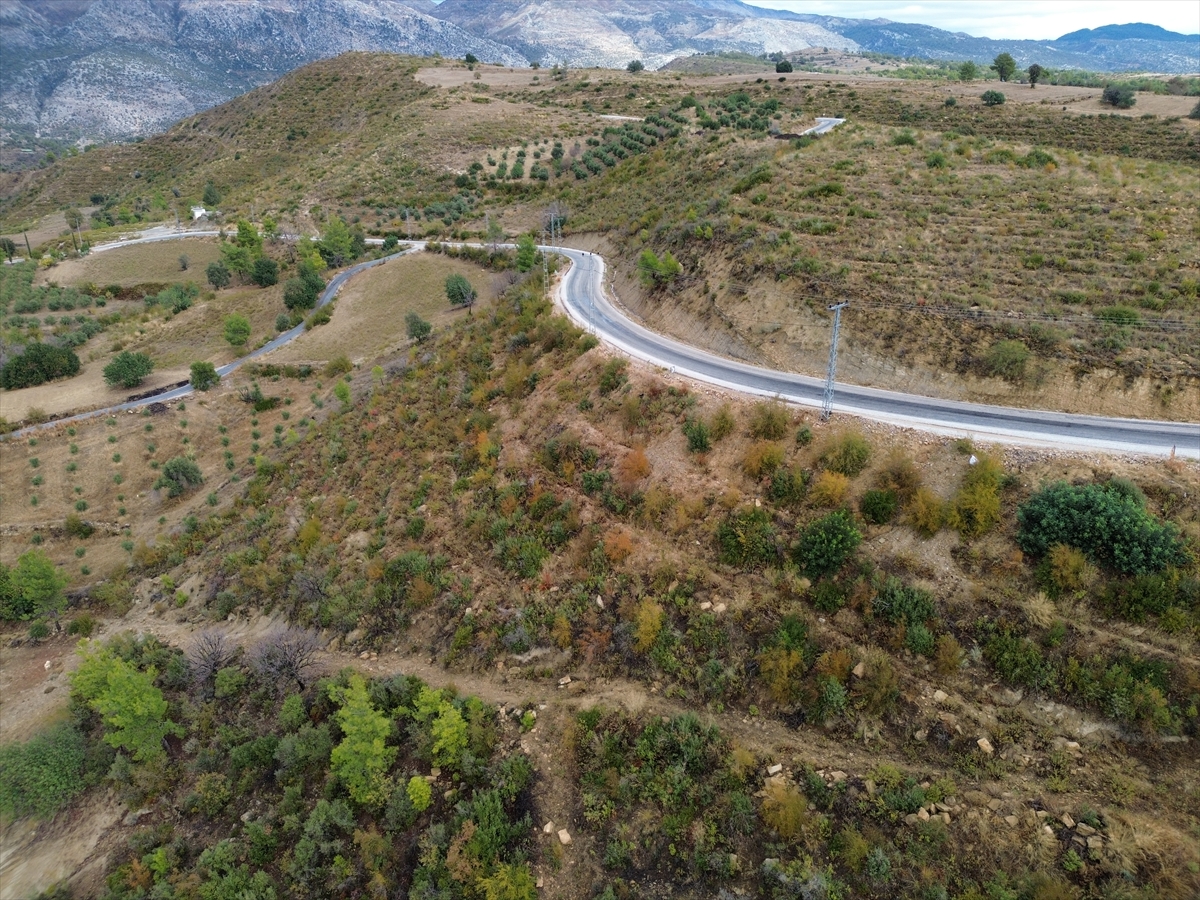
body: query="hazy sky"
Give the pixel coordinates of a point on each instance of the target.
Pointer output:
(1019, 19)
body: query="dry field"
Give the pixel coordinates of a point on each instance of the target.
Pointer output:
(369, 318)
(154, 263)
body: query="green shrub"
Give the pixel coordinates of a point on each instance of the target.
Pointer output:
(698, 436)
(746, 538)
(827, 543)
(992, 98)
(204, 376)
(229, 682)
(41, 775)
(38, 364)
(847, 454)
(878, 507)
(1104, 523)
(179, 475)
(898, 603)
(1007, 360)
(612, 376)
(128, 370)
(768, 420)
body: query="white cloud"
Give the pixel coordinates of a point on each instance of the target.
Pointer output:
(1012, 20)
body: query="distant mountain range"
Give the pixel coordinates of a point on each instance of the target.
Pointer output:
(100, 69)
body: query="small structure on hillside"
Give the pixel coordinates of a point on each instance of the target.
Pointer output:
(199, 212)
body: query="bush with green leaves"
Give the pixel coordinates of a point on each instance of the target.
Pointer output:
(992, 98)
(179, 475)
(878, 506)
(41, 775)
(218, 275)
(847, 453)
(1104, 522)
(459, 290)
(826, 544)
(204, 376)
(38, 364)
(1119, 95)
(362, 759)
(418, 329)
(237, 330)
(128, 369)
(1007, 359)
(747, 538)
(901, 604)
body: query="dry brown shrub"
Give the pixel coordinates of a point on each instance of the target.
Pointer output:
(781, 669)
(723, 423)
(634, 467)
(1070, 569)
(879, 688)
(762, 458)
(617, 545)
(899, 474)
(785, 810)
(769, 420)
(835, 663)
(926, 512)
(742, 761)
(731, 499)
(948, 655)
(1040, 610)
(560, 632)
(656, 502)
(829, 488)
(649, 624)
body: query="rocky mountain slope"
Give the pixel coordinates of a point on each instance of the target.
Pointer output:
(128, 67)
(87, 70)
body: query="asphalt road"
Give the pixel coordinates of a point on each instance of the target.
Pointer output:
(584, 297)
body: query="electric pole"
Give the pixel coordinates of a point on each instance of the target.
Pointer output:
(831, 374)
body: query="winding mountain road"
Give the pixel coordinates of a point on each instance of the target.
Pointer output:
(582, 294)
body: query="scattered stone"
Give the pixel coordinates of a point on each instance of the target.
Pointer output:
(921, 734)
(911, 819)
(923, 814)
(366, 654)
(986, 746)
(1048, 830)
(548, 828)
(719, 608)
(837, 776)
(942, 807)
(600, 601)
(705, 605)
(436, 772)
(775, 769)
(946, 817)
(860, 670)
(994, 805)
(870, 786)
(1042, 814)
(1012, 821)
(1067, 820)
(1095, 843)
(246, 816)
(539, 881)
(1085, 830)
(940, 696)
(564, 681)
(564, 836)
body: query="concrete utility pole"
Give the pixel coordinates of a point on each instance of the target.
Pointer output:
(831, 373)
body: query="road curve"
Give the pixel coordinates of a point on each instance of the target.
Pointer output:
(331, 291)
(583, 296)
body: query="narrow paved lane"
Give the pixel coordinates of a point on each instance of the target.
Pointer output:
(584, 297)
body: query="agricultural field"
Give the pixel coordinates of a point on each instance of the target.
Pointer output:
(458, 602)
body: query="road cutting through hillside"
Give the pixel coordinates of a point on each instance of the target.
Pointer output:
(582, 294)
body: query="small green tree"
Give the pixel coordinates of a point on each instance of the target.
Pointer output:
(128, 370)
(264, 272)
(184, 262)
(204, 376)
(40, 583)
(470, 59)
(237, 330)
(211, 195)
(968, 71)
(420, 794)
(526, 253)
(783, 66)
(1118, 95)
(418, 329)
(510, 881)
(8, 248)
(134, 711)
(1005, 66)
(218, 275)
(459, 291)
(362, 759)
(1008, 360)
(992, 98)
(827, 543)
(336, 246)
(1035, 73)
(179, 475)
(13, 605)
(635, 66)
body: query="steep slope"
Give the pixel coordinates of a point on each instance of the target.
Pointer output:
(609, 33)
(131, 67)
